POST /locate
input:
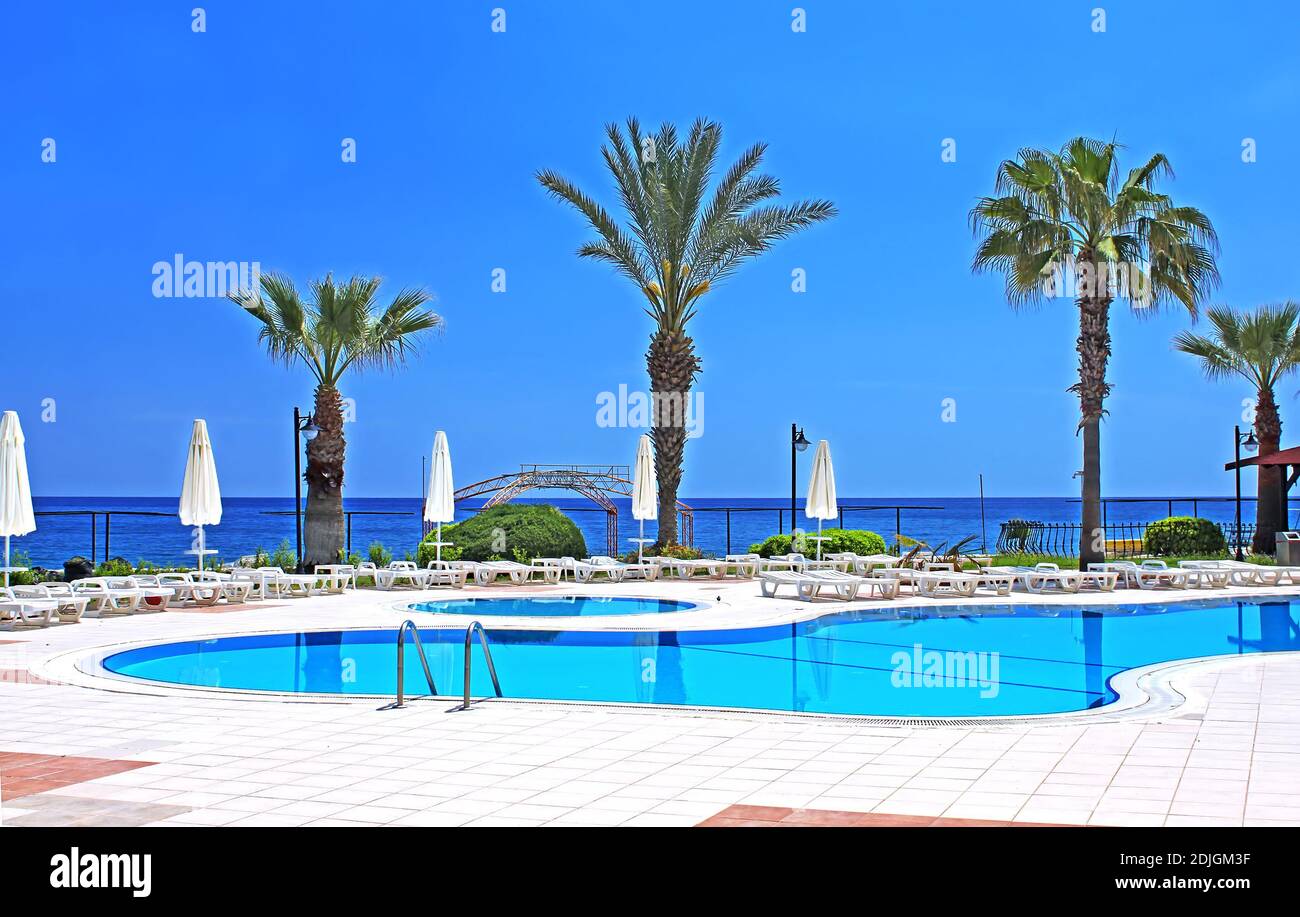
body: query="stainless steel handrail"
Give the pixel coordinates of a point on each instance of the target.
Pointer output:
(487, 654)
(408, 624)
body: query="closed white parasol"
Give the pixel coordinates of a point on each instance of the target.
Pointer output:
(440, 506)
(645, 501)
(200, 494)
(16, 516)
(821, 490)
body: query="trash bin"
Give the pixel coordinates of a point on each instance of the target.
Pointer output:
(1288, 549)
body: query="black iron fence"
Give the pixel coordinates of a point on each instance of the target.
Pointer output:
(1123, 539)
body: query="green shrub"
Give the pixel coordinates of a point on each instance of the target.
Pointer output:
(26, 577)
(283, 557)
(1184, 535)
(114, 566)
(515, 531)
(380, 556)
(679, 551)
(838, 541)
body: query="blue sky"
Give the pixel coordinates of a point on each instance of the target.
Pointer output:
(225, 145)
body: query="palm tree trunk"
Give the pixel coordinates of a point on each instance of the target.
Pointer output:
(1269, 518)
(672, 364)
(323, 537)
(1093, 346)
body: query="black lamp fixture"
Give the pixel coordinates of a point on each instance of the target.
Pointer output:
(1250, 444)
(798, 443)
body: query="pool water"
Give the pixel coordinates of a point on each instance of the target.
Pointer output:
(986, 661)
(554, 606)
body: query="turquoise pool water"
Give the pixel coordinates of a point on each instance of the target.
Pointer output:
(553, 606)
(986, 661)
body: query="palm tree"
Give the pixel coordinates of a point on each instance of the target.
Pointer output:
(337, 330)
(1069, 210)
(1261, 347)
(676, 248)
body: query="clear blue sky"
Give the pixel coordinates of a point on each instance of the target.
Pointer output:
(226, 146)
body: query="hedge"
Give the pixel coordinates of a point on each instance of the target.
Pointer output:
(1183, 535)
(838, 541)
(516, 531)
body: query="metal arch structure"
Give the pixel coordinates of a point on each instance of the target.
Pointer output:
(598, 483)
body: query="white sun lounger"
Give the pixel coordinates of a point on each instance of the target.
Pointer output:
(934, 583)
(107, 600)
(275, 580)
(442, 574)
(1143, 578)
(1046, 577)
(685, 569)
(809, 585)
(645, 570)
(864, 564)
(1240, 573)
(70, 606)
(746, 566)
(486, 573)
(396, 573)
(1205, 578)
(25, 611)
(799, 562)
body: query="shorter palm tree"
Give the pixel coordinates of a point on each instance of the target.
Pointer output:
(337, 330)
(1261, 347)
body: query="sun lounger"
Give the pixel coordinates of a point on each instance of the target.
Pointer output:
(934, 583)
(799, 562)
(275, 580)
(584, 571)
(776, 564)
(337, 578)
(1240, 573)
(69, 606)
(396, 573)
(864, 564)
(105, 599)
(486, 573)
(1143, 578)
(685, 569)
(1203, 578)
(25, 611)
(154, 597)
(743, 566)
(808, 585)
(645, 570)
(441, 574)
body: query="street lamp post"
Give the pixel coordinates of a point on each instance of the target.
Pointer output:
(798, 443)
(1251, 445)
(306, 427)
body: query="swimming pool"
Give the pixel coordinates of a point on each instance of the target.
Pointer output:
(554, 606)
(979, 661)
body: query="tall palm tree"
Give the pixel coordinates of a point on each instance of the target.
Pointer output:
(1261, 347)
(676, 248)
(1069, 210)
(338, 329)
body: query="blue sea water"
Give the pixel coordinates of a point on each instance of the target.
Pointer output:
(977, 661)
(249, 523)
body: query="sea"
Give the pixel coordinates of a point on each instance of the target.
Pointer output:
(147, 528)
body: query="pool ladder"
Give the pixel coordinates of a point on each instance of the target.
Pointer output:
(424, 661)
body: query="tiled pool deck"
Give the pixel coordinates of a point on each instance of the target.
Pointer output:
(78, 750)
